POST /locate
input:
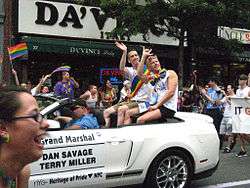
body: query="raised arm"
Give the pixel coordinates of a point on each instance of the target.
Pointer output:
(39, 85)
(140, 69)
(76, 85)
(86, 95)
(15, 77)
(124, 49)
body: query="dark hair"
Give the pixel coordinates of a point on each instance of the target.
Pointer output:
(10, 102)
(91, 87)
(213, 79)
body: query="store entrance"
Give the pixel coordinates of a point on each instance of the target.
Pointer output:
(85, 69)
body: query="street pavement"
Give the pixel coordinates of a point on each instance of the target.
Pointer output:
(232, 172)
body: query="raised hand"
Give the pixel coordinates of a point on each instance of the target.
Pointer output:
(44, 78)
(14, 72)
(121, 46)
(146, 53)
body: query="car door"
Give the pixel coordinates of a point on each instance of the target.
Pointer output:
(119, 149)
(77, 158)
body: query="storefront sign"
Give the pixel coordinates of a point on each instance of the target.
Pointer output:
(72, 20)
(241, 35)
(115, 76)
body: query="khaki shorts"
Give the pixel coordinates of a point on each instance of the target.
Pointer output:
(129, 104)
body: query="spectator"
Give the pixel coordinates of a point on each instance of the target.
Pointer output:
(213, 107)
(37, 89)
(226, 123)
(243, 91)
(108, 94)
(21, 129)
(66, 87)
(91, 96)
(125, 91)
(82, 118)
(45, 89)
(186, 101)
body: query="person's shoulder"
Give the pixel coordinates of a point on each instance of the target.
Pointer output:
(59, 83)
(172, 73)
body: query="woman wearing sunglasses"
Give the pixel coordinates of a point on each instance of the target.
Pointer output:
(21, 129)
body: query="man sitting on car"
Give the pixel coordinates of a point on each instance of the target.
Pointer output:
(165, 85)
(81, 118)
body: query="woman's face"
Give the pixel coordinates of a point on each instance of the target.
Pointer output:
(26, 133)
(45, 89)
(65, 75)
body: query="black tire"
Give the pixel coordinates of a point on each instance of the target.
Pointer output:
(171, 177)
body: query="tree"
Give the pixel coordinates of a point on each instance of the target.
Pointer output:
(191, 21)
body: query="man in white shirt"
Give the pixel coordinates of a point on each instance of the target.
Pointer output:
(243, 91)
(226, 123)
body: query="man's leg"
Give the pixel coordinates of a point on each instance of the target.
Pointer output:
(106, 115)
(129, 113)
(242, 152)
(151, 115)
(121, 114)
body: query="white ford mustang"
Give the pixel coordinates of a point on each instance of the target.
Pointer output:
(168, 154)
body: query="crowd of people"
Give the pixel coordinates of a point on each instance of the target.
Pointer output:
(215, 101)
(149, 93)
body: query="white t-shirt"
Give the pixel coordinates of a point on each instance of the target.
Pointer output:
(241, 122)
(228, 111)
(144, 93)
(34, 91)
(243, 92)
(130, 74)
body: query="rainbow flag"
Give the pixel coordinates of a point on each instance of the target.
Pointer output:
(61, 69)
(137, 83)
(18, 50)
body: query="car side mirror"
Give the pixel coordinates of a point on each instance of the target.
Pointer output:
(53, 125)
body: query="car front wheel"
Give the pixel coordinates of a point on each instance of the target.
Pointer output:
(170, 169)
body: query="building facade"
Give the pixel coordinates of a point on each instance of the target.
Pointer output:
(66, 33)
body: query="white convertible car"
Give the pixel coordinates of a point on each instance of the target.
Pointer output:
(157, 155)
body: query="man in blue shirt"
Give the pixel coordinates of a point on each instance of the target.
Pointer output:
(82, 118)
(213, 107)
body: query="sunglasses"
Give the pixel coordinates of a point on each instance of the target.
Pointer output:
(37, 117)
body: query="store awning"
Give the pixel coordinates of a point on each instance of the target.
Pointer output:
(74, 47)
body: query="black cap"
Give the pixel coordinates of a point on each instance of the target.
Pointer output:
(243, 77)
(78, 103)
